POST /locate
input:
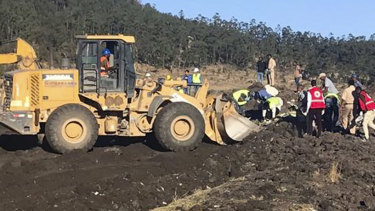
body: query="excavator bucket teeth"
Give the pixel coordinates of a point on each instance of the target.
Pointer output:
(231, 125)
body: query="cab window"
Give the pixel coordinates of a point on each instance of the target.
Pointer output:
(89, 58)
(109, 65)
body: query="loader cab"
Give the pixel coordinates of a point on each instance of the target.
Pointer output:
(121, 75)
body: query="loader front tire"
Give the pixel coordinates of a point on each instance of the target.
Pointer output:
(179, 127)
(71, 127)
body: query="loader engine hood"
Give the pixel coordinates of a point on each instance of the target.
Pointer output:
(27, 92)
(34, 89)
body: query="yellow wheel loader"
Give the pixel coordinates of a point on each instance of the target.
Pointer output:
(70, 108)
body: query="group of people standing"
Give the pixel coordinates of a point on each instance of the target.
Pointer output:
(323, 105)
(194, 81)
(266, 69)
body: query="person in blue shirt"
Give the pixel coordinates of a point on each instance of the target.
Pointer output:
(188, 78)
(262, 95)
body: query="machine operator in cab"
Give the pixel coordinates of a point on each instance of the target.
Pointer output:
(104, 63)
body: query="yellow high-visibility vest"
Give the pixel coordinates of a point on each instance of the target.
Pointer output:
(168, 78)
(274, 102)
(197, 78)
(237, 95)
(333, 95)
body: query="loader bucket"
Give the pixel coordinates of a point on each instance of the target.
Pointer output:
(230, 125)
(238, 127)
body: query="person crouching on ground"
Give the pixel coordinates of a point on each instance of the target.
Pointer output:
(367, 106)
(272, 104)
(241, 98)
(262, 96)
(315, 107)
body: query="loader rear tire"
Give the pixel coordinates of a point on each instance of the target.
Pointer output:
(179, 127)
(71, 127)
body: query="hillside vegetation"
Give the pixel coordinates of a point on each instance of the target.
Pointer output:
(164, 40)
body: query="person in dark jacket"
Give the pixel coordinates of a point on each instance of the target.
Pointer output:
(301, 109)
(357, 82)
(261, 68)
(188, 78)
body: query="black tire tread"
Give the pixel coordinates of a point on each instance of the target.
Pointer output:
(51, 129)
(162, 130)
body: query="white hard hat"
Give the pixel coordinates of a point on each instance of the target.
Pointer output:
(196, 70)
(148, 74)
(271, 90)
(322, 75)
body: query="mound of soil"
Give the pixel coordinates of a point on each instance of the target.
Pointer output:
(282, 172)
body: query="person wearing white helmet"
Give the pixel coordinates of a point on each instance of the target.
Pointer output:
(148, 77)
(197, 81)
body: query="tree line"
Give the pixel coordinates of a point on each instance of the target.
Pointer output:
(166, 40)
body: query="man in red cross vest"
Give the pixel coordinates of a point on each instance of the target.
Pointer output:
(367, 106)
(315, 107)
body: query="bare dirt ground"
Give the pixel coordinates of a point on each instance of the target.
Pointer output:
(271, 170)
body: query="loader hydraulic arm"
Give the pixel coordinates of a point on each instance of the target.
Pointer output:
(25, 56)
(9, 58)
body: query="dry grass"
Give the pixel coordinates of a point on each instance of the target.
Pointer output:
(200, 196)
(221, 77)
(197, 198)
(318, 179)
(334, 173)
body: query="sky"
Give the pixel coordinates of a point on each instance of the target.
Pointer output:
(340, 17)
